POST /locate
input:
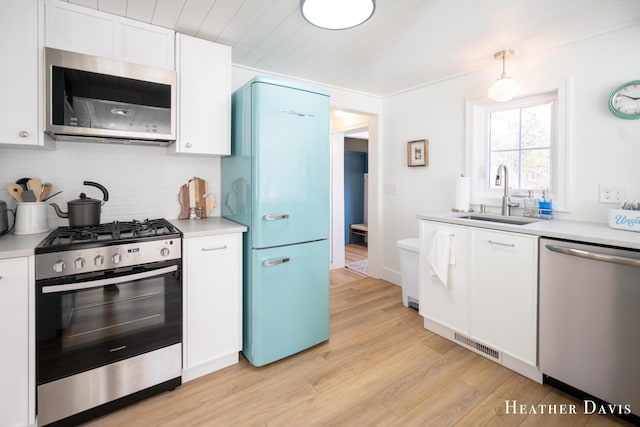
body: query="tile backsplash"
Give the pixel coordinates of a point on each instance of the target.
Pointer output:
(143, 182)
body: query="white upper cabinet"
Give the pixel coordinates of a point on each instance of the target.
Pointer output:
(79, 29)
(21, 74)
(204, 97)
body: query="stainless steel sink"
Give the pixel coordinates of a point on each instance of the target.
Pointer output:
(514, 220)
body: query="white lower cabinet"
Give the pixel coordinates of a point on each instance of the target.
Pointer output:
(17, 394)
(212, 303)
(490, 301)
(504, 292)
(446, 304)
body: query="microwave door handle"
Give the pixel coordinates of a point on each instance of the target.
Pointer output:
(104, 282)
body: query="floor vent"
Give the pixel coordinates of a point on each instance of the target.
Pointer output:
(476, 345)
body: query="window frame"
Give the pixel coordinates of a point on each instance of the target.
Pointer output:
(477, 143)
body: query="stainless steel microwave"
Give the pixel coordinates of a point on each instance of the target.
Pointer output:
(90, 98)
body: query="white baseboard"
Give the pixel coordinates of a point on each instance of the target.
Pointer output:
(392, 276)
(210, 366)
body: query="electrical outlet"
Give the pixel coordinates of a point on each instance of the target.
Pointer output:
(611, 194)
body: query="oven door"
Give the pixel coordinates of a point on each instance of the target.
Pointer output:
(86, 323)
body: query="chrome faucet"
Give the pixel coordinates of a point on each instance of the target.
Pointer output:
(506, 203)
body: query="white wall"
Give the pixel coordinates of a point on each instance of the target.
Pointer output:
(604, 149)
(143, 182)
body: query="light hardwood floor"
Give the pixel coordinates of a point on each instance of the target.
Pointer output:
(379, 368)
(355, 252)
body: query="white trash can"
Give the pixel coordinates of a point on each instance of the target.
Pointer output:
(409, 249)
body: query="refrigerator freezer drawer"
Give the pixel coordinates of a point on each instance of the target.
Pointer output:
(286, 301)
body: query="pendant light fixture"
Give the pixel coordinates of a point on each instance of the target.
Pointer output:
(337, 14)
(505, 88)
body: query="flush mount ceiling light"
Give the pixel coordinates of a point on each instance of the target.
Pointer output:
(337, 14)
(505, 88)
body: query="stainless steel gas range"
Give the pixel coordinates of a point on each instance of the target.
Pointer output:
(108, 317)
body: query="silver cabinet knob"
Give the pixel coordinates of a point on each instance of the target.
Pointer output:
(188, 145)
(23, 134)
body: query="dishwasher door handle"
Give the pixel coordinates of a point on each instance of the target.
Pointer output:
(632, 262)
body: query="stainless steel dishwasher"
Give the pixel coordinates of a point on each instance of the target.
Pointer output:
(589, 324)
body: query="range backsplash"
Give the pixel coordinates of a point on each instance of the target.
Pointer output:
(143, 182)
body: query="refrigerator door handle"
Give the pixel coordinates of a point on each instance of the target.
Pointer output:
(275, 217)
(272, 262)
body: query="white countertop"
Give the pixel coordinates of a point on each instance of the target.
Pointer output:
(207, 226)
(590, 232)
(13, 245)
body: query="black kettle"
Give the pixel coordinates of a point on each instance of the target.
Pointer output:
(84, 211)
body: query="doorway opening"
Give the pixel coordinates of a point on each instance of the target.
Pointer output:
(350, 189)
(356, 221)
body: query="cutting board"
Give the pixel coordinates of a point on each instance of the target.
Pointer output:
(195, 194)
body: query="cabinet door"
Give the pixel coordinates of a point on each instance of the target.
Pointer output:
(213, 298)
(80, 29)
(504, 292)
(447, 305)
(19, 72)
(14, 334)
(204, 97)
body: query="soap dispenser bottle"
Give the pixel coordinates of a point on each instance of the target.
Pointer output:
(545, 209)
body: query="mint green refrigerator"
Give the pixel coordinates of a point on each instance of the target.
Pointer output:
(276, 182)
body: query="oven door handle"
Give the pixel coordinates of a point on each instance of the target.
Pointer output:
(104, 282)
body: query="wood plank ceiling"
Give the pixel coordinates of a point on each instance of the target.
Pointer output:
(405, 44)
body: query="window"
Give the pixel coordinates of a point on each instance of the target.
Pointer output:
(521, 138)
(530, 135)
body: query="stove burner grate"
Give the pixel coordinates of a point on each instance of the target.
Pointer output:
(108, 232)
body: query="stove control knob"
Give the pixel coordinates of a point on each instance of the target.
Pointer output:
(59, 266)
(78, 263)
(98, 260)
(164, 251)
(115, 258)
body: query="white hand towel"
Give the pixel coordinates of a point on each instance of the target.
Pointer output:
(441, 255)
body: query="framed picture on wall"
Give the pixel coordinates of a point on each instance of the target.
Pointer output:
(418, 153)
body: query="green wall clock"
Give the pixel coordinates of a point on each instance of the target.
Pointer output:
(624, 101)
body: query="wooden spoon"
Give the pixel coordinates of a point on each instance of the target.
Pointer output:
(46, 190)
(16, 191)
(35, 185)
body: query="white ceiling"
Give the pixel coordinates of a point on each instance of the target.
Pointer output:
(407, 43)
